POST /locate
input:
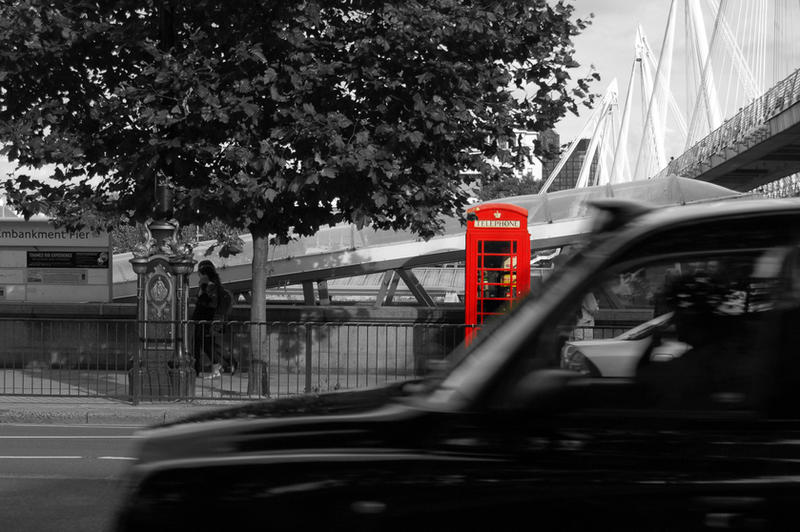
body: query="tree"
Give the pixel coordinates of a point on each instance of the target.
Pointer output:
(124, 237)
(508, 186)
(275, 117)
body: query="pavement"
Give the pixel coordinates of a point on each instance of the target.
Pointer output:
(100, 411)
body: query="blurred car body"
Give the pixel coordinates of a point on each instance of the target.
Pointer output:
(709, 439)
(618, 356)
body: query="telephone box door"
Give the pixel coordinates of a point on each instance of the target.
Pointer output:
(498, 268)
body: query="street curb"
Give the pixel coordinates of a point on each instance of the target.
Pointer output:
(92, 415)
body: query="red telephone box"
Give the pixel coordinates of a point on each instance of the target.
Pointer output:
(498, 261)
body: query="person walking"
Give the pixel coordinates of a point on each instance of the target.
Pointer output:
(202, 316)
(220, 301)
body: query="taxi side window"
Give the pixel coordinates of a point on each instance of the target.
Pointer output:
(722, 313)
(698, 330)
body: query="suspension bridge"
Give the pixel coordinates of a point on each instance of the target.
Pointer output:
(726, 107)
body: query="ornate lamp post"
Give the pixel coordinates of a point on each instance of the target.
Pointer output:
(163, 366)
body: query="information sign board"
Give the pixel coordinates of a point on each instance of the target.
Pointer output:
(43, 263)
(67, 259)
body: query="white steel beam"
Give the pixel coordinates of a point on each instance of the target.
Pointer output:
(652, 117)
(606, 105)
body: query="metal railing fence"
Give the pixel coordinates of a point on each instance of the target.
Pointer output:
(596, 332)
(122, 359)
(66, 357)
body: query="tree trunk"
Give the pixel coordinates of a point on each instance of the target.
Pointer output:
(258, 381)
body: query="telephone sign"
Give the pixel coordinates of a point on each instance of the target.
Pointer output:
(498, 268)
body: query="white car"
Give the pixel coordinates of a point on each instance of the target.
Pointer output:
(618, 356)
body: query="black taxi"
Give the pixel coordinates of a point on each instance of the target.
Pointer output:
(504, 437)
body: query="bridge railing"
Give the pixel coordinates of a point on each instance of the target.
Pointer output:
(747, 127)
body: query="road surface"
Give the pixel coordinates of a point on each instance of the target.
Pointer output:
(62, 478)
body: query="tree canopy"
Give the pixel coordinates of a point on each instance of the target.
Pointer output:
(275, 117)
(507, 187)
